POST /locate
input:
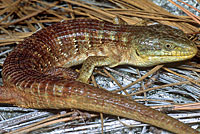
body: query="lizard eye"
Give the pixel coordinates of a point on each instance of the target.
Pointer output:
(168, 46)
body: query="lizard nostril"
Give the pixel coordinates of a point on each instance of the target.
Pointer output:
(137, 53)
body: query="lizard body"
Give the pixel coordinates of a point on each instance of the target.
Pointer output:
(36, 74)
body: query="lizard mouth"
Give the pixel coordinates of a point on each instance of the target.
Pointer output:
(188, 52)
(154, 57)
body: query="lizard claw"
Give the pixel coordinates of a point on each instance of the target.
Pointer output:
(83, 80)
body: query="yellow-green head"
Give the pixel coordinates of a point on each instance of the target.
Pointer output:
(162, 44)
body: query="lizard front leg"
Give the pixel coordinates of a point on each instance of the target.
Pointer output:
(94, 61)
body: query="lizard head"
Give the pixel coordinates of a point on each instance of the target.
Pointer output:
(162, 44)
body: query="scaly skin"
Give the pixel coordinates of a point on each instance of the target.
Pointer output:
(35, 73)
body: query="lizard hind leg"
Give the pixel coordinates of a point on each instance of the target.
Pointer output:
(66, 73)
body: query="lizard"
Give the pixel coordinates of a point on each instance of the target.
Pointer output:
(37, 74)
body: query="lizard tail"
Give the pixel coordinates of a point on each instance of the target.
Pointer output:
(6, 96)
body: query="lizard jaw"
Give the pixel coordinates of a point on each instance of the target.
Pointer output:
(152, 58)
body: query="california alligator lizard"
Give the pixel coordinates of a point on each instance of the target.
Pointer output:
(36, 74)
